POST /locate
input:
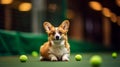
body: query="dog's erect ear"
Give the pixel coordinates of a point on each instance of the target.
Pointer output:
(65, 25)
(48, 27)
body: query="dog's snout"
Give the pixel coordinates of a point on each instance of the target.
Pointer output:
(57, 37)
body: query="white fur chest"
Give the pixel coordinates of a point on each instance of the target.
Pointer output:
(58, 49)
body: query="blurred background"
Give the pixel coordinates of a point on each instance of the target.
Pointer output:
(94, 24)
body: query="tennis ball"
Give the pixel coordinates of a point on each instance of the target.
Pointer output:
(96, 61)
(114, 55)
(34, 53)
(23, 58)
(78, 57)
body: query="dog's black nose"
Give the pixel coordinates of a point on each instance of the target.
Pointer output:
(57, 37)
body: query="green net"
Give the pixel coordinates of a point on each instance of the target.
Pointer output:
(16, 43)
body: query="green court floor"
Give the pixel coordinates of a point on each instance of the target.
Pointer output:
(13, 61)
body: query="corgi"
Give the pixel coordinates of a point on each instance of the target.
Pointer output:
(57, 47)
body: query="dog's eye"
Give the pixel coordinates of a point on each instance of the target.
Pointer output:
(53, 33)
(60, 32)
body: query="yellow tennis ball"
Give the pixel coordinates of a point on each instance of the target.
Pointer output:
(96, 61)
(114, 55)
(78, 57)
(34, 53)
(23, 58)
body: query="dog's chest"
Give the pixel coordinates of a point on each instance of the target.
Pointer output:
(58, 50)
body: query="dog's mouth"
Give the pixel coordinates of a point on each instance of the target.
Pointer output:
(57, 39)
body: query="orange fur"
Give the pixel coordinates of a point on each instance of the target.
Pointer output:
(44, 49)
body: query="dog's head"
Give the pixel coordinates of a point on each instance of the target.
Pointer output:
(57, 33)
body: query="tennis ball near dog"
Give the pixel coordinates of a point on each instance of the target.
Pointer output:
(96, 61)
(23, 58)
(34, 53)
(114, 55)
(78, 57)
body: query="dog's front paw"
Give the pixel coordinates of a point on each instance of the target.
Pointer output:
(65, 58)
(54, 59)
(41, 58)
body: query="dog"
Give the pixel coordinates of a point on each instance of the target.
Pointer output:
(57, 47)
